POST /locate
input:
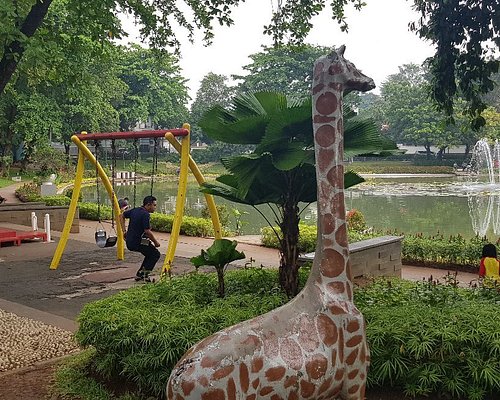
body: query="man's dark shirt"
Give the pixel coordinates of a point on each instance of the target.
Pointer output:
(139, 221)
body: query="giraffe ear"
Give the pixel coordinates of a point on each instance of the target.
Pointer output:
(341, 50)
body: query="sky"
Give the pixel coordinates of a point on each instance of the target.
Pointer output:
(378, 41)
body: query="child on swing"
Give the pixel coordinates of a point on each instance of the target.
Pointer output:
(489, 267)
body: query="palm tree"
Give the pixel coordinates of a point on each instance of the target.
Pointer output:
(280, 172)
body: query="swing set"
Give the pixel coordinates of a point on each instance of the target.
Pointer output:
(117, 236)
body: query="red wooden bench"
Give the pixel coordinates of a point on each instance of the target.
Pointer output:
(16, 237)
(9, 236)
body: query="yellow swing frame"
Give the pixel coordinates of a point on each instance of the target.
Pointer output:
(186, 162)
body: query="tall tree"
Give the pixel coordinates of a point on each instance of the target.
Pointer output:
(465, 33)
(158, 21)
(284, 69)
(409, 114)
(213, 91)
(156, 90)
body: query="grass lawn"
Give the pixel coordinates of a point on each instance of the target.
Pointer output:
(5, 182)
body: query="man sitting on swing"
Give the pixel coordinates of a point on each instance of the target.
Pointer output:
(139, 236)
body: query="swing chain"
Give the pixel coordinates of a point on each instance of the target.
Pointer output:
(154, 168)
(96, 147)
(113, 173)
(136, 148)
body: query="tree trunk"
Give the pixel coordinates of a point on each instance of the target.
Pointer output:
(67, 146)
(289, 252)
(14, 50)
(428, 151)
(220, 278)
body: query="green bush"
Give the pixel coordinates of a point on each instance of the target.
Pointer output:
(140, 333)
(430, 338)
(437, 249)
(90, 211)
(433, 250)
(307, 237)
(56, 200)
(424, 337)
(222, 210)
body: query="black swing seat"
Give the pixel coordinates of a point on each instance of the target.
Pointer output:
(102, 240)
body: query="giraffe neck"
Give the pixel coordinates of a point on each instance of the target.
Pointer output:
(331, 270)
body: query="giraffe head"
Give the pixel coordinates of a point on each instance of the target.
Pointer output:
(335, 70)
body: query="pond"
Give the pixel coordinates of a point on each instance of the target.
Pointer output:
(448, 205)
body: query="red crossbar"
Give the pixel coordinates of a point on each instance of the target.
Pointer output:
(131, 135)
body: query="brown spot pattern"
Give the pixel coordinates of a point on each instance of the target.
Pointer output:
(323, 119)
(332, 263)
(326, 103)
(353, 389)
(244, 379)
(325, 385)
(354, 341)
(290, 381)
(324, 161)
(291, 353)
(351, 375)
(276, 397)
(336, 177)
(203, 381)
(293, 396)
(231, 389)
(325, 135)
(251, 397)
(336, 287)
(318, 88)
(318, 68)
(257, 364)
(255, 383)
(187, 387)
(317, 366)
(328, 223)
(275, 373)
(353, 355)
(353, 326)
(223, 372)
(266, 390)
(306, 388)
(252, 340)
(326, 329)
(213, 394)
(341, 235)
(207, 362)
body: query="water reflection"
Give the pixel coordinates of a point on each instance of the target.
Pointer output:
(410, 205)
(484, 211)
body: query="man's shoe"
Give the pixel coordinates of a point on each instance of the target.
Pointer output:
(146, 279)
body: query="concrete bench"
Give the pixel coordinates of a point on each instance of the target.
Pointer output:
(380, 256)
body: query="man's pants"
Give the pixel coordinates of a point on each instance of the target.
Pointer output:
(151, 257)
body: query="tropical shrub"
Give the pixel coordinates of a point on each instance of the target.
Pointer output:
(219, 255)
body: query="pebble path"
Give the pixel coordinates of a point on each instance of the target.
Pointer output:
(26, 342)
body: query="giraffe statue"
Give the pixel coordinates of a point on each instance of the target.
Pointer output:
(313, 347)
